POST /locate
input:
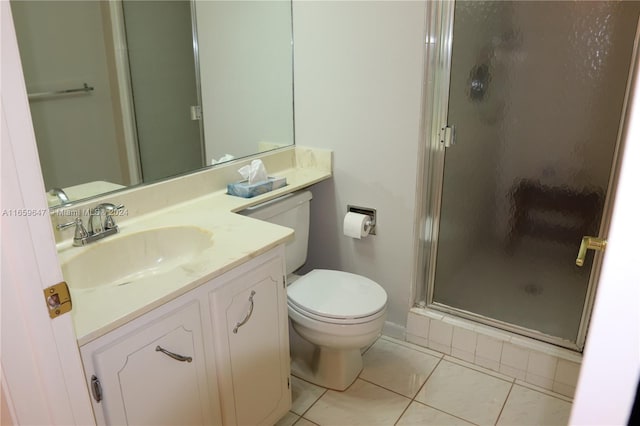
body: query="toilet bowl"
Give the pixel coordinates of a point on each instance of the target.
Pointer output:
(333, 314)
(339, 314)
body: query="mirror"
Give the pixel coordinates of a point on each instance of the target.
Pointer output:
(130, 92)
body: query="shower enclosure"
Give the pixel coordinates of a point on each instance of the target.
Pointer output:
(527, 100)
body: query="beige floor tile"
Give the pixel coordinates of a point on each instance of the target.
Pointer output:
(465, 393)
(529, 407)
(304, 422)
(362, 403)
(397, 367)
(303, 395)
(412, 346)
(420, 414)
(288, 420)
(544, 391)
(478, 368)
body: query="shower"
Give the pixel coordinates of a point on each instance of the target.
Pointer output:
(535, 92)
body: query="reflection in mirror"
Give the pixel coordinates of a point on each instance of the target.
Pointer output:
(165, 87)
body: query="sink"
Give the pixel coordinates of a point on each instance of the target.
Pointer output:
(126, 259)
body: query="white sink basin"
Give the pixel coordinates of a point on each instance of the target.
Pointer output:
(124, 259)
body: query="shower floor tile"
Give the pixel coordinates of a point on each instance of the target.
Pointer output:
(538, 286)
(404, 384)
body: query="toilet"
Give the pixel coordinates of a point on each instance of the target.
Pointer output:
(333, 314)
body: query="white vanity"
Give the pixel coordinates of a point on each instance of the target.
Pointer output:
(218, 354)
(200, 337)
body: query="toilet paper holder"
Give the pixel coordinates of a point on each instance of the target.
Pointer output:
(367, 211)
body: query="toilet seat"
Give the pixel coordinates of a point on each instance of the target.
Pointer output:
(337, 297)
(338, 321)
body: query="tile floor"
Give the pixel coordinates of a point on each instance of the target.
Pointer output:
(405, 384)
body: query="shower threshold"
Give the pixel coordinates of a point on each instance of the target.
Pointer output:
(513, 354)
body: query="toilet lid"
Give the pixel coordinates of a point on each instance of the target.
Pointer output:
(337, 294)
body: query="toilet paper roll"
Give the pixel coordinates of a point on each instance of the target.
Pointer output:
(356, 225)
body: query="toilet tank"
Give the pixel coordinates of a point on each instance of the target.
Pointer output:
(292, 211)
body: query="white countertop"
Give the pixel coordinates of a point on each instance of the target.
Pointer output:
(236, 239)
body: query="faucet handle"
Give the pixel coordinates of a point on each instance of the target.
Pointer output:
(62, 226)
(80, 233)
(109, 210)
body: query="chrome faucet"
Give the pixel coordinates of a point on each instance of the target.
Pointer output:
(62, 196)
(101, 219)
(101, 224)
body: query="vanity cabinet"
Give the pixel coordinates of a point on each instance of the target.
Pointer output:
(153, 374)
(252, 346)
(216, 355)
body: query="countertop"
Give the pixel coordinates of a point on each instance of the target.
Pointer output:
(236, 239)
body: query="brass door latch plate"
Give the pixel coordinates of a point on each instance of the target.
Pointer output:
(58, 299)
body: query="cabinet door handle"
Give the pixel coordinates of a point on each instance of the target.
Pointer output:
(246, 318)
(96, 388)
(177, 357)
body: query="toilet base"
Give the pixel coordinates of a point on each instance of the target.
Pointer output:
(329, 368)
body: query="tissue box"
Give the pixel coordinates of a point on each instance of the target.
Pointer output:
(246, 190)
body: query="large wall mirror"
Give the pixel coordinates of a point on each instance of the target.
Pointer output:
(128, 92)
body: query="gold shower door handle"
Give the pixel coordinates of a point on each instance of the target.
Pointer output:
(589, 243)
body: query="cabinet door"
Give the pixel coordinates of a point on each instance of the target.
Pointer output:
(155, 375)
(250, 319)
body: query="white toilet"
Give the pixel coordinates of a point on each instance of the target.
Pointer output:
(334, 314)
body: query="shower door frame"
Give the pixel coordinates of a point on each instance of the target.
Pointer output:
(439, 47)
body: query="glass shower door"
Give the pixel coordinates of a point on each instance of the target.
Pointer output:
(536, 95)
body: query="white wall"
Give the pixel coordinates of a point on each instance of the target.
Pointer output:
(358, 91)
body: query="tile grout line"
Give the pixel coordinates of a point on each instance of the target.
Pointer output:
(546, 392)
(449, 414)
(480, 369)
(414, 347)
(403, 411)
(412, 400)
(511, 381)
(504, 404)
(441, 357)
(364, 380)
(314, 402)
(382, 387)
(419, 389)
(398, 393)
(427, 405)
(303, 418)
